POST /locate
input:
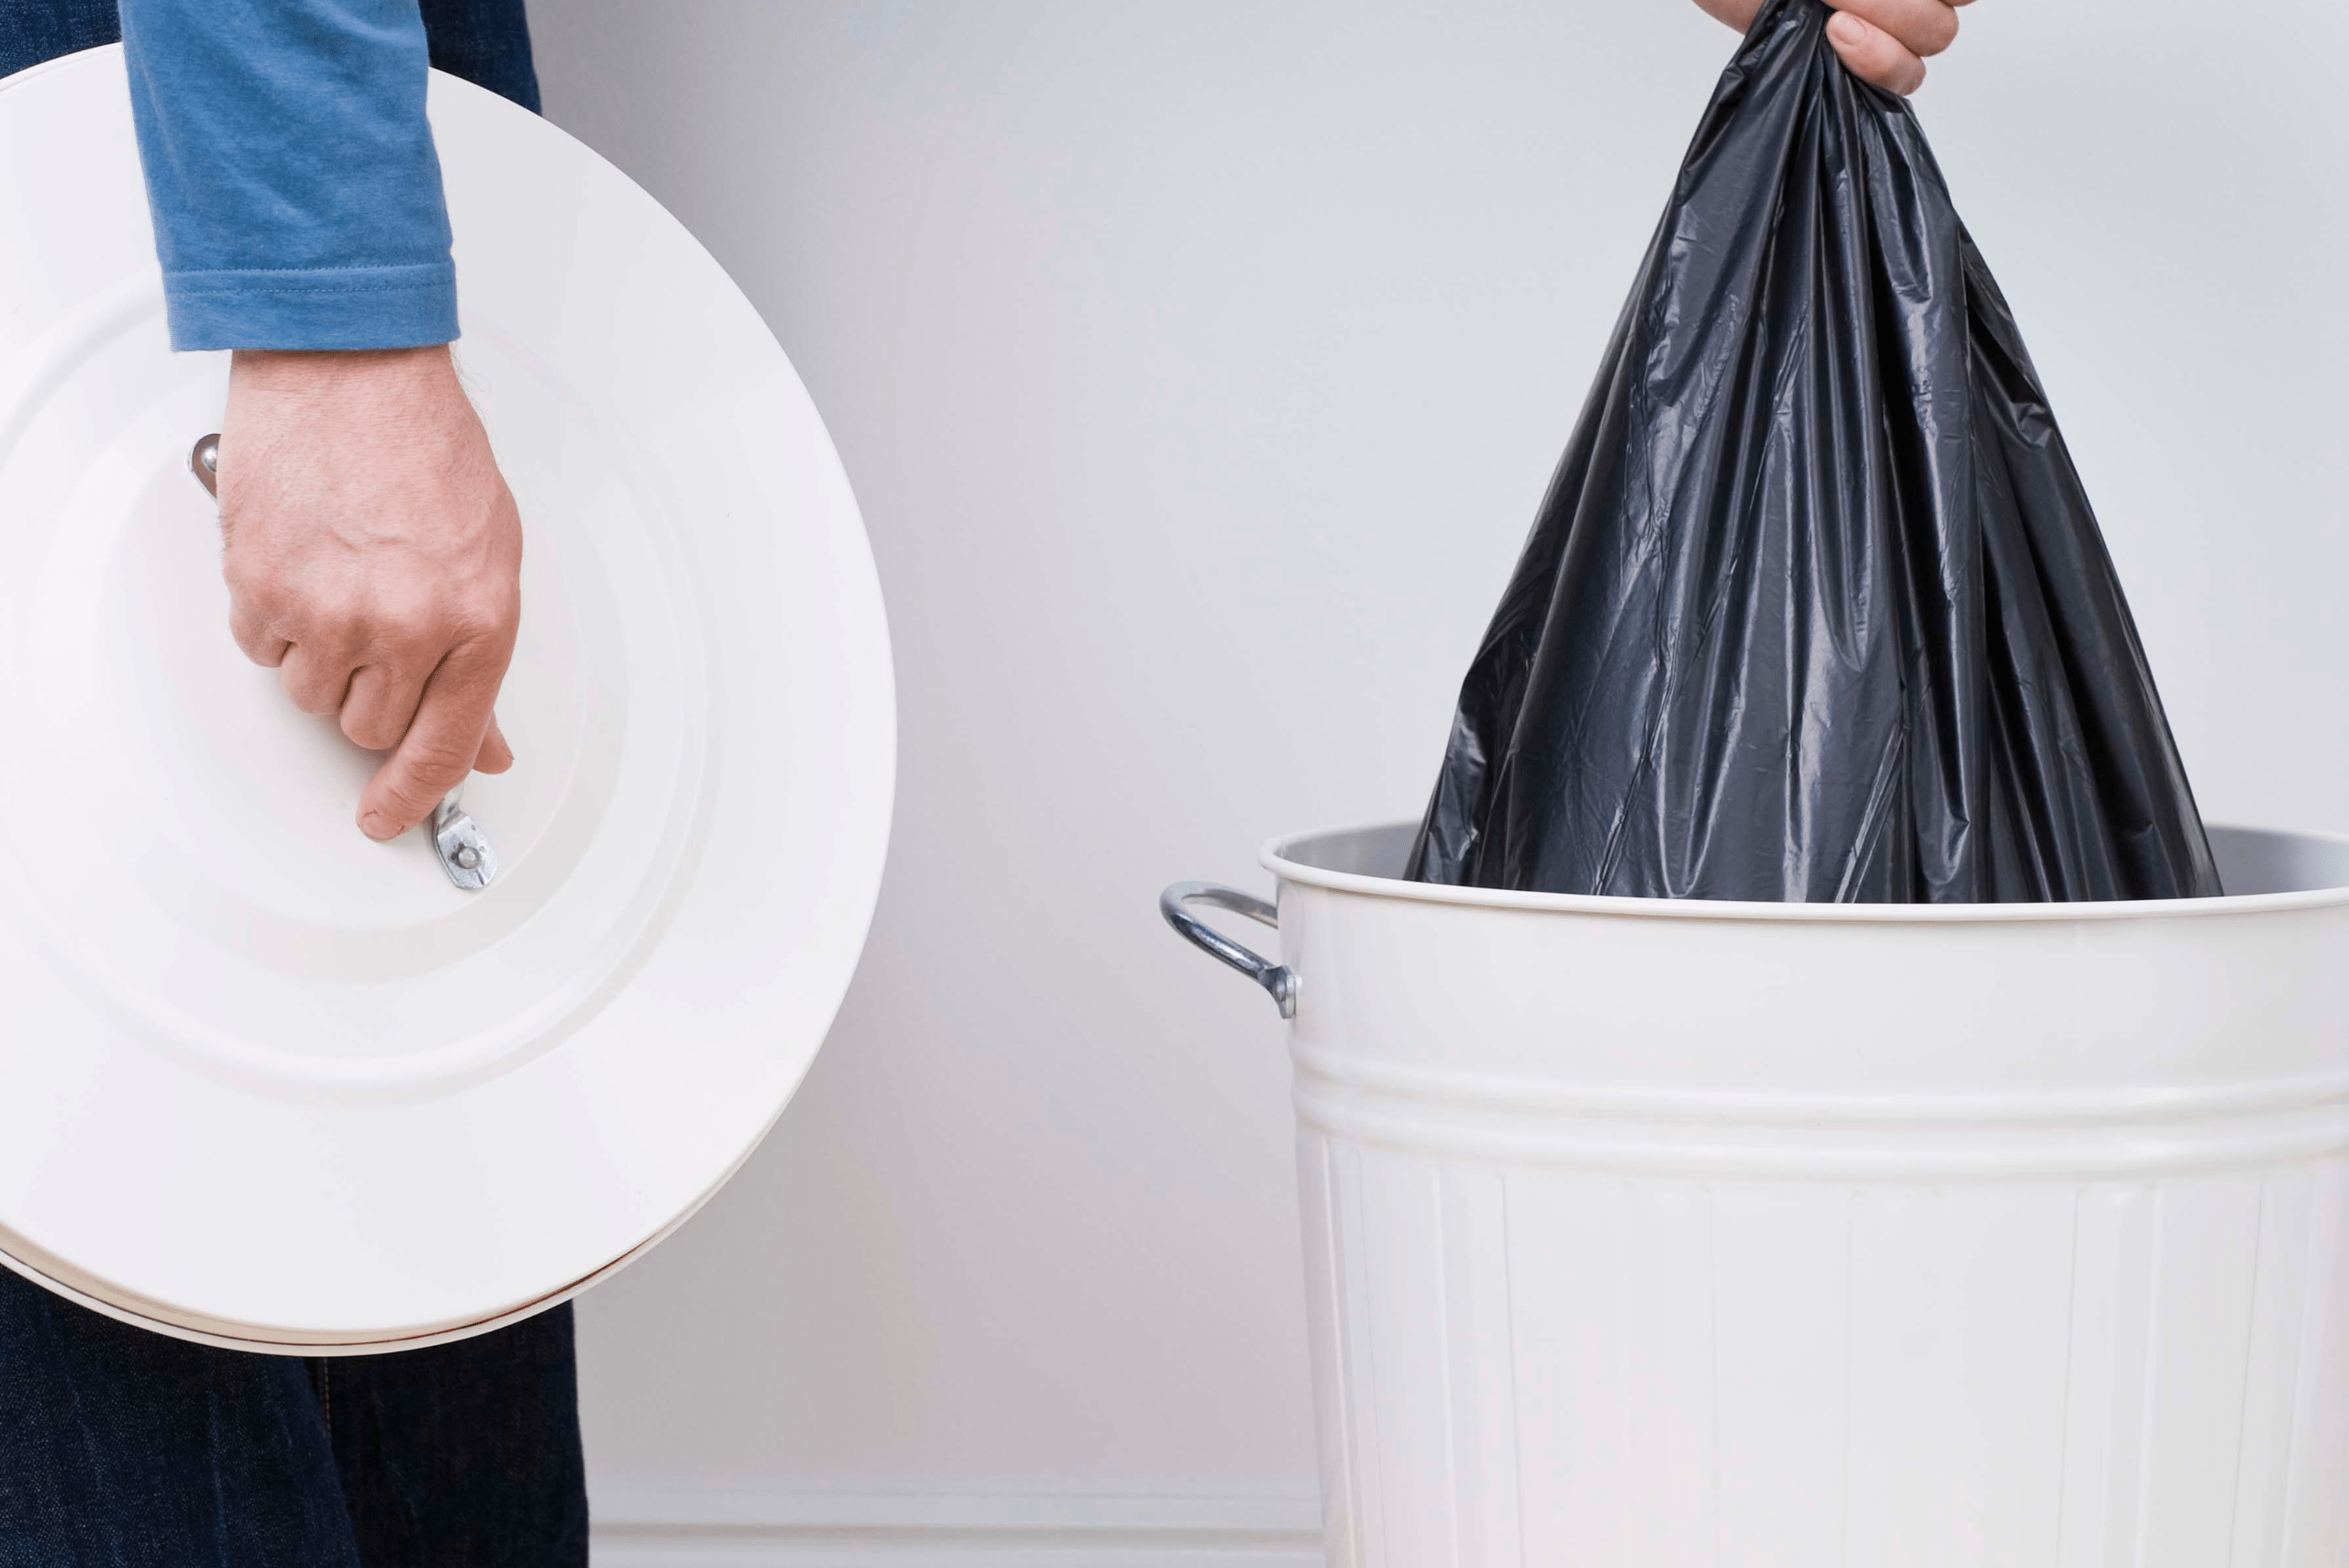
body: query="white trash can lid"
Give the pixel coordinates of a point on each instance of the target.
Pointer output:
(265, 1084)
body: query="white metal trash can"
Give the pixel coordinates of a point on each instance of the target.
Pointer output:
(1643, 1233)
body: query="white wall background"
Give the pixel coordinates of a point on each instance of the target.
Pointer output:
(1198, 367)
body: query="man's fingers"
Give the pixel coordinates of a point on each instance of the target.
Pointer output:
(316, 681)
(1738, 14)
(1872, 55)
(261, 644)
(381, 701)
(1922, 28)
(495, 756)
(438, 748)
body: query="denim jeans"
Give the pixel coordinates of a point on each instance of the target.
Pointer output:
(123, 1449)
(35, 30)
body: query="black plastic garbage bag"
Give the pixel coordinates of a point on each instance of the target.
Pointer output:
(1815, 608)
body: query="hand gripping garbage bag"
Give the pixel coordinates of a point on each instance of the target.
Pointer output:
(1815, 608)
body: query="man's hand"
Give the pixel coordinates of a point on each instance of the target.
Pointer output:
(373, 556)
(1883, 41)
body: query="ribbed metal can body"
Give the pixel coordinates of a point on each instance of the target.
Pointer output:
(1650, 1234)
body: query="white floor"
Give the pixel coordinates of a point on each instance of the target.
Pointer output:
(637, 1529)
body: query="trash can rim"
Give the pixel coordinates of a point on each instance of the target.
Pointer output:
(1280, 856)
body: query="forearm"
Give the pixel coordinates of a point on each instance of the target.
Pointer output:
(290, 173)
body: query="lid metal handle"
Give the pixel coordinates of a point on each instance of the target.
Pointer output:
(203, 462)
(465, 854)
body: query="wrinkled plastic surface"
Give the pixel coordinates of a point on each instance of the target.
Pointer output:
(1816, 608)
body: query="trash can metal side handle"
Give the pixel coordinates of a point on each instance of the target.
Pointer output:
(1277, 979)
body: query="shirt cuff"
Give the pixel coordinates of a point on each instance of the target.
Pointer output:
(314, 307)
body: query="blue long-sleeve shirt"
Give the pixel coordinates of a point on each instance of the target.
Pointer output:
(290, 168)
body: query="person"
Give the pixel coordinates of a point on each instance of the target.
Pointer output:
(373, 555)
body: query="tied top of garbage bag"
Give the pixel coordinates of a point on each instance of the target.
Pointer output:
(1815, 608)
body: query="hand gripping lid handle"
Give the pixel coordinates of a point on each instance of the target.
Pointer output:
(465, 853)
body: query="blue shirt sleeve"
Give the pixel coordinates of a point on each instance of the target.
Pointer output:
(291, 173)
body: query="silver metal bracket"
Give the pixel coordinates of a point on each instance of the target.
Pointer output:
(203, 462)
(464, 852)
